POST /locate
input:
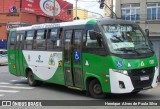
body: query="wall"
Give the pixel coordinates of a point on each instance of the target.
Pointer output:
(107, 12)
(3, 34)
(5, 4)
(153, 25)
(31, 18)
(81, 13)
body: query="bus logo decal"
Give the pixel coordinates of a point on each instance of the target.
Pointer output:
(87, 63)
(60, 64)
(12, 56)
(77, 55)
(151, 61)
(39, 59)
(129, 65)
(51, 60)
(29, 58)
(119, 63)
(142, 63)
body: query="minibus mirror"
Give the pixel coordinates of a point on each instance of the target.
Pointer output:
(93, 34)
(147, 32)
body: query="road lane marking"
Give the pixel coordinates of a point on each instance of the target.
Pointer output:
(4, 83)
(3, 72)
(9, 91)
(1, 95)
(21, 84)
(14, 80)
(16, 87)
(22, 79)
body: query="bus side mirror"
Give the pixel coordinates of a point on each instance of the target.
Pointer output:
(93, 34)
(147, 32)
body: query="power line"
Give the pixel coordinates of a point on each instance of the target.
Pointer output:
(88, 1)
(90, 5)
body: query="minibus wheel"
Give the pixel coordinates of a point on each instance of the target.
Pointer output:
(95, 89)
(31, 80)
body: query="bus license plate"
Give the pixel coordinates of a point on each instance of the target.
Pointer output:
(144, 78)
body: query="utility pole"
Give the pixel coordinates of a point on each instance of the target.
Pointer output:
(112, 8)
(54, 4)
(76, 8)
(102, 4)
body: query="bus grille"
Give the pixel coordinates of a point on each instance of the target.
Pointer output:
(137, 74)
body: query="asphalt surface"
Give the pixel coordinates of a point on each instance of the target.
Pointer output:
(16, 88)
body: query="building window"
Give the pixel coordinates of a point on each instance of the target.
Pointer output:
(130, 11)
(46, 20)
(69, 10)
(153, 11)
(51, 20)
(37, 19)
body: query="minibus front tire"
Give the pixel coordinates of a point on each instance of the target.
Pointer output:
(95, 89)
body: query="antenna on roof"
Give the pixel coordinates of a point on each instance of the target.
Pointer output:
(102, 4)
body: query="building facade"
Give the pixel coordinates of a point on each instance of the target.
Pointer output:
(144, 12)
(107, 12)
(81, 13)
(17, 13)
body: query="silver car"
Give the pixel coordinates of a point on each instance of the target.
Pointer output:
(3, 56)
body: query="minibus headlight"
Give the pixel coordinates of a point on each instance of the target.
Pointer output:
(120, 71)
(125, 72)
(156, 68)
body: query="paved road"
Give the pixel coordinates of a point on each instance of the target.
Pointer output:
(16, 88)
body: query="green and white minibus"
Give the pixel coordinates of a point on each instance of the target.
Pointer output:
(98, 56)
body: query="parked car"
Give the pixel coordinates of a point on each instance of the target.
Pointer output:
(3, 56)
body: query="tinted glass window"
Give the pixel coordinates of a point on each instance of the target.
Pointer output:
(30, 35)
(40, 34)
(39, 42)
(93, 42)
(52, 34)
(53, 40)
(29, 40)
(12, 40)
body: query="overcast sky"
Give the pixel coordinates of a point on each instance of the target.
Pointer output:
(92, 5)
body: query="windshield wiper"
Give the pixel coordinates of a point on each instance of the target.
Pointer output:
(128, 50)
(118, 38)
(146, 48)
